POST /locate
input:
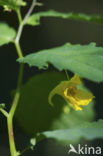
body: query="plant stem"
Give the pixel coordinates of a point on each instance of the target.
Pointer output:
(18, 49)
(67, 74)
(11, 137)
(14, 104)
(17, 94)
(20, 75)
(19, 16)
(4, 112)
(12, 112)
(10, 116)
(23, 151)
(29, 11)
(20, 29)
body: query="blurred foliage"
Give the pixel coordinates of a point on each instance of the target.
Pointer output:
(73, 135)
(2, 105)
(12, 4)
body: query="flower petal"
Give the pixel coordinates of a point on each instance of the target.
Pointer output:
(81, 98)
(75, 80)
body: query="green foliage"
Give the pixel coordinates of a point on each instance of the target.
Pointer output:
(12, 4)
(88, 131)
(85, 60)
(2, 105)
(35, 18)
(39, 115)
(7, 34)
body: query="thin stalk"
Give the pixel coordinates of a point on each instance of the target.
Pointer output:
(14, 105)
(11, 137)
(20, 75)
(67, 74)
(4, 112)
(29, 11)
(17, 94)
(12, 112)
(19, 16)
(18, 49)
(15, 102)
(26, 149)
(20, 29)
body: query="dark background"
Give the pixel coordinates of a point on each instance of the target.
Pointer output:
(52, 32)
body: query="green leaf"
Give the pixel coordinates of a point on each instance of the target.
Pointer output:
(7, 34)
(2, 105)
(12, 4)
(34, 114)
(35, 18)
(84, 60)
(88, 131)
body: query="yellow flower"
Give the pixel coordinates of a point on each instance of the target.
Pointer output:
(74, 96)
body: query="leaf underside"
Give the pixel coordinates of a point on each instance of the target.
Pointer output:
(84, 60)
(7, 34)
(88, 131)
(35, 18)
(12, 4)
